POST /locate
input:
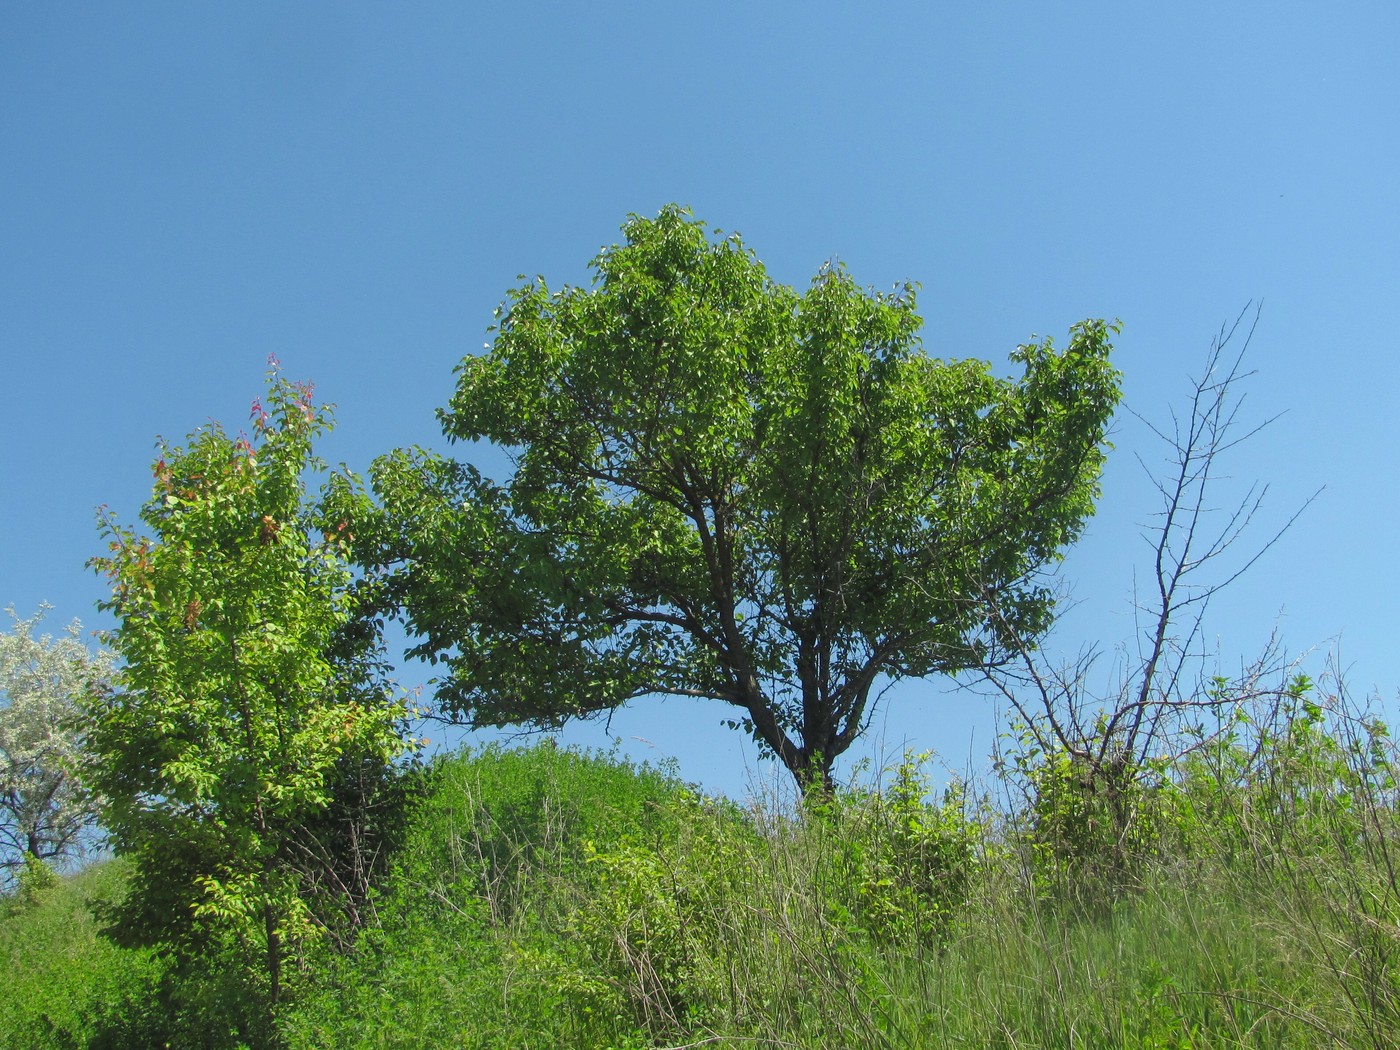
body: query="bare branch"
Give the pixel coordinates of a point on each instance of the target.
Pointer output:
(1156, 707)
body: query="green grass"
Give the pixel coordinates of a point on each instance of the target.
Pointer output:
(65, 986)
(553, 899)
(548, 898)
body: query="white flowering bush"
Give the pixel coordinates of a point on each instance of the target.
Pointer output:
(45, 814)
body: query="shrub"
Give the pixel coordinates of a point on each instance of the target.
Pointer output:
(912, 862)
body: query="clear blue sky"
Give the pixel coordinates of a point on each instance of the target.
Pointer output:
(185, 189)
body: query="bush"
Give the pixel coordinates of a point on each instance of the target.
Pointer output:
(911, 862)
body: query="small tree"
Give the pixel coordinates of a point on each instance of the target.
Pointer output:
(44, 811)
(241, 696)
(725, 489)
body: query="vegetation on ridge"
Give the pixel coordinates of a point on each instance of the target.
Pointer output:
(1184, 860)
(546, 898)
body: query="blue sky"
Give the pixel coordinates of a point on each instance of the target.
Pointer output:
(188, 188)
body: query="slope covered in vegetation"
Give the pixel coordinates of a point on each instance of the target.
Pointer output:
(545, 898)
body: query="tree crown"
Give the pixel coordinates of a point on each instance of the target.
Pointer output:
(728, 489)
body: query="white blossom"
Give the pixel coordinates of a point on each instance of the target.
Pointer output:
(44, 810)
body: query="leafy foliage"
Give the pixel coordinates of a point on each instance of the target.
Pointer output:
(240, 700)
(44, 811)
(1092, 829)
(490, 912)
(68, 987)
(727, 489)
(917, 861)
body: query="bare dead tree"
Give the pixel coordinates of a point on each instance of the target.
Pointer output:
(1164, 697)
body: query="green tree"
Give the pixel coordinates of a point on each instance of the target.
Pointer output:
(723, 488)
(44, 811)
(241, 699)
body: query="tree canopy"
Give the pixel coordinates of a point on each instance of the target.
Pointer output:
(725, 488)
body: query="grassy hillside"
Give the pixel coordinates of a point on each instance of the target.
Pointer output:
(552, 899)
(65, 986)
(547, 898)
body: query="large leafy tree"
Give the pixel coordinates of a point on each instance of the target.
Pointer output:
(242, 699)
(723, 488)
(44, 811)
